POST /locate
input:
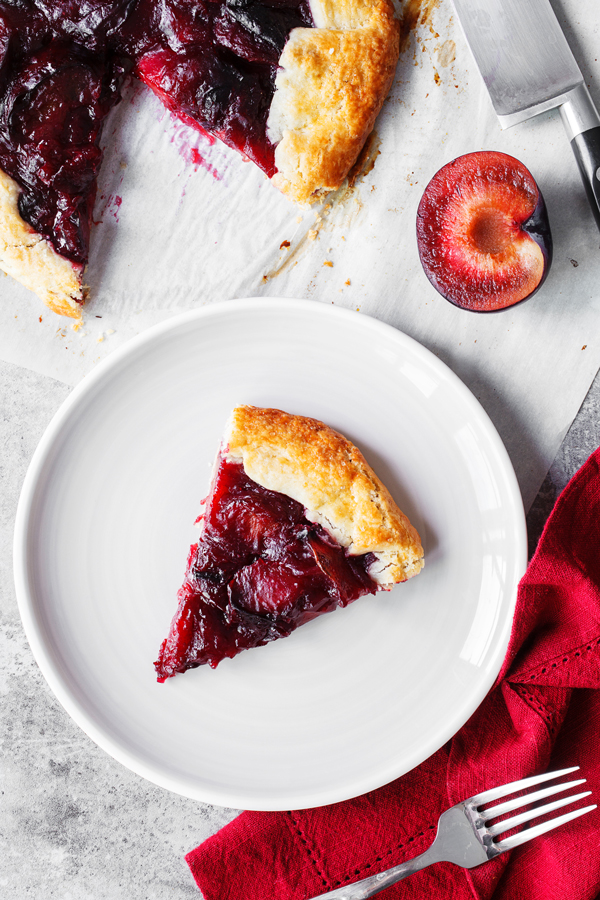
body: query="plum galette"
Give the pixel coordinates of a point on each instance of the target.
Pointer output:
(294, 85)
(296, 524)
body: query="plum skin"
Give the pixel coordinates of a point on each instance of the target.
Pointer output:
(483, 233)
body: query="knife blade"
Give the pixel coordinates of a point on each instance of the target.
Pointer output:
(528, 68)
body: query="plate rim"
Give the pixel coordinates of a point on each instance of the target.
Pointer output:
(27, 607)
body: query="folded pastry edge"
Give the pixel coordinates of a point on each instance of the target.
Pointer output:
(31, 260)
(321, 469)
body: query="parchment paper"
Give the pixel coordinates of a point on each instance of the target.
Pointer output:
(182, 221)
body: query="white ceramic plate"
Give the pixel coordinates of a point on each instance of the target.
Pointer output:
(349, 701)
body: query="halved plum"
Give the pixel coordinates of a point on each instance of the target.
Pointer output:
(483, 233)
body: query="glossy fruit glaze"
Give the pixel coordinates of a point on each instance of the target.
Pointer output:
(259, 570)
(483, 233)
(62, 66)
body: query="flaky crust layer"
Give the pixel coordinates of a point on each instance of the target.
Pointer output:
(332, 82)
(329, 476)
(30, 259)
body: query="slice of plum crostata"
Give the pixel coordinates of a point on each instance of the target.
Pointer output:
(293, 85)
(296, 524)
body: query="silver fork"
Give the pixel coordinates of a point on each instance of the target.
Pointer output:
(464, 838)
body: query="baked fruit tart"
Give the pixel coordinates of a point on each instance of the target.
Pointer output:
(293, 85)
(296, 524)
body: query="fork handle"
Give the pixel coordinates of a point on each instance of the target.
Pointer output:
(360, 890)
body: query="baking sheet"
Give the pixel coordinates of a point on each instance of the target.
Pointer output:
(181, 221)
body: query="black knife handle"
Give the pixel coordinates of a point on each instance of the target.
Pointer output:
(586, 147)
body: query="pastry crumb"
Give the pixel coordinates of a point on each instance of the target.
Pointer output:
(348, 282)
(311, 235)
(328, 263)
(284, 245)
(584, 346)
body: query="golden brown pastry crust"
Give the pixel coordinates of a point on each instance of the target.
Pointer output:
(30, 259)
(328, 475)
(329, 90)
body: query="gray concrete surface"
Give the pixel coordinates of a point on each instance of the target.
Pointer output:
(582, 439)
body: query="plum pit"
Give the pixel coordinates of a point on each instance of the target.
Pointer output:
(490, 231)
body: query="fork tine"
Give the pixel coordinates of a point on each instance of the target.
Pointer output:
(493, 812)
(517, 839)
(495, 793)
(501, 827)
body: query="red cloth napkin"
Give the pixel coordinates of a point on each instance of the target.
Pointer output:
(543, 712)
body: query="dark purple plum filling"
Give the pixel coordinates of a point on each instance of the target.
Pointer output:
(214, 64)
(62, 65)
(50, 122)
(259, 570)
